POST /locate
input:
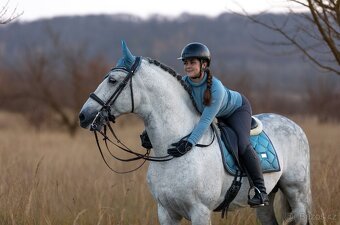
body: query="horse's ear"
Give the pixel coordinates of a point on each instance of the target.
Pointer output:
(127, 59)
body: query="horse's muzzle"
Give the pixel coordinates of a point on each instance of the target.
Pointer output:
(86, 118)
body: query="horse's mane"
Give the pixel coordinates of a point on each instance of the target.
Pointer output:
(177, 76)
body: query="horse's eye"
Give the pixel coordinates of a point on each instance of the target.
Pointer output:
(112, 80)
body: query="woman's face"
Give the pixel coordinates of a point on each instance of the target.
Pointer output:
(192, 68)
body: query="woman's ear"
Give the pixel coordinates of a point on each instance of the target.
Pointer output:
(204, 64)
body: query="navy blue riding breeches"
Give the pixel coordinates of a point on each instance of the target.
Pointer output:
(240, 122)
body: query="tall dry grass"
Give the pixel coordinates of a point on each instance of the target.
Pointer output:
(50, 178)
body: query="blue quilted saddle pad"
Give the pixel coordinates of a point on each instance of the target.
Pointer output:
(264, 149)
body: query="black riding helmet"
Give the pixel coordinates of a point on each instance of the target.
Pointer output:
(196, 50)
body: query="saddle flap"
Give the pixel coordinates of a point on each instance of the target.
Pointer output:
(229, 139)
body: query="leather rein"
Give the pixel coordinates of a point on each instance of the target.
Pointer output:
(104, 117)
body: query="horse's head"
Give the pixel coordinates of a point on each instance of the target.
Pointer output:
(114, 96)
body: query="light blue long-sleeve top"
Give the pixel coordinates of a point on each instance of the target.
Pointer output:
(224, 103)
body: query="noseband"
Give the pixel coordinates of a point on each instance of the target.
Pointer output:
(104, 113)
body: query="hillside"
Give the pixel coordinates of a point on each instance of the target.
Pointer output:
(232, 40)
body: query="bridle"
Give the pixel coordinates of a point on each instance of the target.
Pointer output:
(104, 117)
(106, 106)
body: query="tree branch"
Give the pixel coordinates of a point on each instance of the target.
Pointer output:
(296, 44)
(337, 11)
(324, 18)
(12, 16)
(326, 38)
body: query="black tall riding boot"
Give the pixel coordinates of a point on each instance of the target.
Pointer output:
(252, 164)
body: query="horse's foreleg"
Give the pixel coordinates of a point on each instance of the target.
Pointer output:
(200, 215)
(167, 218)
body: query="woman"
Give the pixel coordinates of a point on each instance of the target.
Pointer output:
(215, 100)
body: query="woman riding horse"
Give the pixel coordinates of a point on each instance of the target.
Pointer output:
(213, 99)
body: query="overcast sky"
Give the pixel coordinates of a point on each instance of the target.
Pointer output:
(35, 9)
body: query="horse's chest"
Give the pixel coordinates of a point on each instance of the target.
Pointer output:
(170, 182)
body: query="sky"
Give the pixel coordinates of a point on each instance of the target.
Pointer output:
(36, 9)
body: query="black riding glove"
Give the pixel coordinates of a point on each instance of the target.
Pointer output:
(180, 148)
(146, 143)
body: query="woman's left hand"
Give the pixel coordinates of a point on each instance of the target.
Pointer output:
(180, 148)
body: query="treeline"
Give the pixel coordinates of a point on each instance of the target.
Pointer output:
(48, 79)
(237, 45)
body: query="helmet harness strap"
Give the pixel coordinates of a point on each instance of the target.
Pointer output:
(201, 70)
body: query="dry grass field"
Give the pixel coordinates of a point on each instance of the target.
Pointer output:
(47, 177)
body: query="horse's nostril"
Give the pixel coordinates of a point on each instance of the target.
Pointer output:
(81, 117)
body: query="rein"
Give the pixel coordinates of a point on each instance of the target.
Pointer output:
(137, 156)
(104, 117)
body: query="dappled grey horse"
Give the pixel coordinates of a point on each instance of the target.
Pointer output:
(193, 185)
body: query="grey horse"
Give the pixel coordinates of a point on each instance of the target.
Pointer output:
(193, 185)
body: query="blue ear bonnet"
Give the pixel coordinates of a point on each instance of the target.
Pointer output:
(127, 59)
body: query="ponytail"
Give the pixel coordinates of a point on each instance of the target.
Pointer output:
(207, 92)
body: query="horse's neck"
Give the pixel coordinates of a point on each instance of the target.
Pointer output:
(169, 113)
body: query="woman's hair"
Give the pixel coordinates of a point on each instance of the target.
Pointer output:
(207, 92)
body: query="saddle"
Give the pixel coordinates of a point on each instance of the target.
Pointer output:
(258, 139)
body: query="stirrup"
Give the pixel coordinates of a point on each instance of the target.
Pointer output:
(263, 201)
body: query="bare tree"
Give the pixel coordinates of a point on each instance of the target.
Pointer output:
(316, 34)
(7, 15)
(53, 84)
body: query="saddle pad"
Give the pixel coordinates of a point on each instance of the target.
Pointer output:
(264, 149)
